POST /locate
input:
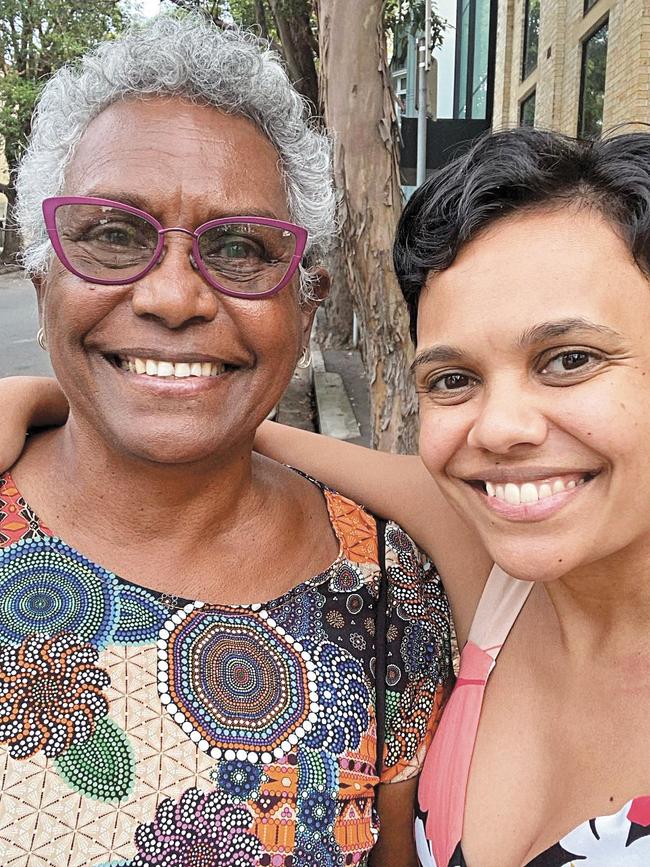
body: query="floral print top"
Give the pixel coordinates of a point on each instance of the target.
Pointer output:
(143, 730)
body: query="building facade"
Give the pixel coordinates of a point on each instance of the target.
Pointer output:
(579, 67)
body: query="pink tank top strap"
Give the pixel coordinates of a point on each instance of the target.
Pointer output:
(443, 784)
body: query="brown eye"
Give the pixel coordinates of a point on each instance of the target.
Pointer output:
(452, 383)
(570, 361)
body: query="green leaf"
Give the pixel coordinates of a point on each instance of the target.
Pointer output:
(102, 768)
(36, 39)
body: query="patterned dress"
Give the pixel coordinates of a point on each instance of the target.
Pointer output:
(143, 730)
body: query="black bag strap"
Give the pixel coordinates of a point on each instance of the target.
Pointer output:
(381, 629)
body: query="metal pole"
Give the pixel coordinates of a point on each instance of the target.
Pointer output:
(424, 63)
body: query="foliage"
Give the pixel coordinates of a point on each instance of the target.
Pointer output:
(36, 38)
(410, 16)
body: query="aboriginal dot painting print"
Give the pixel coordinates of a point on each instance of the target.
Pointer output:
(143, 730)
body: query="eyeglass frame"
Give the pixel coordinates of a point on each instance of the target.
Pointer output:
(53, 203)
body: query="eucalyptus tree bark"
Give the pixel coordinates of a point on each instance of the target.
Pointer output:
(335, 317)
(359, 111)
(11, 240)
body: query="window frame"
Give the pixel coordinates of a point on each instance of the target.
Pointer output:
(603, 22)
(522, 103)
(526, 42)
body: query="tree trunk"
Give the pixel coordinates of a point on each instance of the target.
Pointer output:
(260, 18)
(11, 246)
(334, 321)
(359, 110)
(292, 18)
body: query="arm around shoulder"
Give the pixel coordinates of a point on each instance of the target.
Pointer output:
(28, 401)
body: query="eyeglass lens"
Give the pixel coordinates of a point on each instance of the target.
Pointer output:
(107, 243)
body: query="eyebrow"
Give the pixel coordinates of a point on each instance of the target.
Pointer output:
(446, 354)
(436, 355)
(561, 327)
(136, 201)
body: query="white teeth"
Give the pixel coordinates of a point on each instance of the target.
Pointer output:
(165, 368)
(512, 494)
(181, 370)
(170, 369)
(528, 493)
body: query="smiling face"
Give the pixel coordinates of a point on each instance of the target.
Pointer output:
(533, 370)
(168, 369)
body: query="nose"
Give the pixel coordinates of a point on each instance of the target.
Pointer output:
(174, 292)
(508, 416)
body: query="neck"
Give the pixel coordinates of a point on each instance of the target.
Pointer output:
(188, 500)
(605, 605)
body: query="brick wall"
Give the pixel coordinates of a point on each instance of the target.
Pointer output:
(556, 80)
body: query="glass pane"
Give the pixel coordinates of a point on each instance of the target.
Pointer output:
(531, 37)
(247, 257)
(480, 70)
(527, 111)
(463, 57)
(594, 67)
(103, 242)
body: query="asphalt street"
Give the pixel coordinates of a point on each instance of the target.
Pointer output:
(19, 351)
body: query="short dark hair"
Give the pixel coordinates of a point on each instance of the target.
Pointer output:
(517, 170)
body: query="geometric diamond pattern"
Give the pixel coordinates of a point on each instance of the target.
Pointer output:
(53, 818)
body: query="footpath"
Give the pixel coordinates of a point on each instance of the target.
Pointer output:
(330, 397)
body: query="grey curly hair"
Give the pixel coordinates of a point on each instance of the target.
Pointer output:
(185, 56)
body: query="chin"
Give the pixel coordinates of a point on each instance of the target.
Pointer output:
(530, 562)
(171, 448)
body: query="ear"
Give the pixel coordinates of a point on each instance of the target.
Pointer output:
(319, 290)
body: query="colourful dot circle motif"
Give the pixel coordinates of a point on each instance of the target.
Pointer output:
(47, 587)
(235, 682)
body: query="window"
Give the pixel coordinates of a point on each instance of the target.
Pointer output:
(588, 4)
(531, 37)
(592, 83)
(481, 58)
(474, 58)
(527, 111)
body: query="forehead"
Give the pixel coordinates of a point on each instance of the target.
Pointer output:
(172, 149)
(531, 268)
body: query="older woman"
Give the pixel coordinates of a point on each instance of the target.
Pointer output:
(251, 658)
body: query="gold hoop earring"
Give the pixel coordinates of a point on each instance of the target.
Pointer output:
(305, 359)
(41, 339)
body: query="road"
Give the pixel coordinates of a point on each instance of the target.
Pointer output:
(19, 351)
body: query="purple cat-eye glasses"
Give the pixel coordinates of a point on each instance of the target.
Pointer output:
(114, 244)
